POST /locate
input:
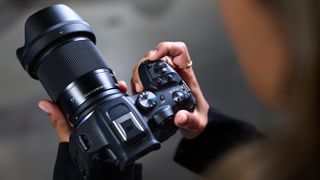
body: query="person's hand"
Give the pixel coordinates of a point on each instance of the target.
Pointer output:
(176, 54)
(58, 121)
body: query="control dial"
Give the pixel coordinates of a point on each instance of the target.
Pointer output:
(146, 100)
(178, 97)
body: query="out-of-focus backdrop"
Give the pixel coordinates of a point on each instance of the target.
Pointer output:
(125, 30)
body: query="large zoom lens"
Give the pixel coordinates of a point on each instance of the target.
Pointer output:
(60, 51)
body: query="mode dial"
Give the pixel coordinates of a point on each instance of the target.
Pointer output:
(146, 100)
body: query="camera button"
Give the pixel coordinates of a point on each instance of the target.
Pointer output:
(163, 70)
(170, 78)
(162, 97)
(178, 96)
(159, 81)
(161, 65)
(84, 142)
(147, 100)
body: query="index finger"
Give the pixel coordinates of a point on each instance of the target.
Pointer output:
(177, 51)
(136, 85)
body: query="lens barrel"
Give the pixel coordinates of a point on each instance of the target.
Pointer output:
(47, 27)
(67, 62)
(60, 51)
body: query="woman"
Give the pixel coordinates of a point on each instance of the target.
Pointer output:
(278, 47)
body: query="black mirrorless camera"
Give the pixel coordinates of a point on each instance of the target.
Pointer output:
(109, 126)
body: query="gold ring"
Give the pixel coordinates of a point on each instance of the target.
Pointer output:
(185, 66)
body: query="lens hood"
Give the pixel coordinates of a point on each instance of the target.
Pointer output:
(46, 28)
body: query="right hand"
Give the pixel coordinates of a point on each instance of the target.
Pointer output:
(177, 55)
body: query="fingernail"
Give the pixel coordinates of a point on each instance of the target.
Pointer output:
(121, 81)
(44, 108)
(137, 87)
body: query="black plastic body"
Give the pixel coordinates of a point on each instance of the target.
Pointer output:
(105, 144)
(109, 126)
(159, 119)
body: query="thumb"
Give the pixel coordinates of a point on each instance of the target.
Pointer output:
(57, 119)
(191, 124)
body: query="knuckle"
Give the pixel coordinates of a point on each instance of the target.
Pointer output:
(160, 45)
(56, 121)
(163, 44)
(182, 45)
(53, 122)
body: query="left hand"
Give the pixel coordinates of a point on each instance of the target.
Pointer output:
(57, 119)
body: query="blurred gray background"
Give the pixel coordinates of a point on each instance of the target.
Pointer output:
(125, 30)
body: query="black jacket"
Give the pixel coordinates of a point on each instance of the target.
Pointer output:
(221, 134)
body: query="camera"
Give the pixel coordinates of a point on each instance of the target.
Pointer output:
(109, 126)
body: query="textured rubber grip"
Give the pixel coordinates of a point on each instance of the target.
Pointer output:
(64, 64)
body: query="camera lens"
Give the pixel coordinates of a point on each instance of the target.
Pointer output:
(60, 51)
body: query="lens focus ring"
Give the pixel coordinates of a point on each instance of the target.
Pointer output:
(67, 62)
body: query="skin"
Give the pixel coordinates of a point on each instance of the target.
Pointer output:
(262, 47)
(177, 55)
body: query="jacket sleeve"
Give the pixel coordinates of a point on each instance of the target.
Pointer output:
(221, 134)
(65, 170)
